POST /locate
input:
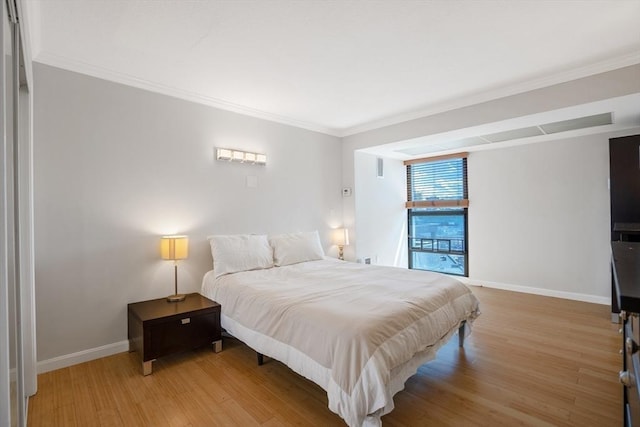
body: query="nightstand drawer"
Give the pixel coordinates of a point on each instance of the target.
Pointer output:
(180, 333)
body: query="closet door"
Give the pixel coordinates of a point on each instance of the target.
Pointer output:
(9, 401)
(13, 396)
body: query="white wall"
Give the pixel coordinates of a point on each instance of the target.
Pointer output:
(565, 249)
(598, 87)
(539, 218)
(116, 167)
(380, 215)
(620, 82)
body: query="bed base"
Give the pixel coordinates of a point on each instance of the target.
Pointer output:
(460, 342)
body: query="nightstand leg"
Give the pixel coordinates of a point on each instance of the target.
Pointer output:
(217, 346)
(146, 367)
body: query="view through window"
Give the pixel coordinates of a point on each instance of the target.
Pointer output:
(437, 204)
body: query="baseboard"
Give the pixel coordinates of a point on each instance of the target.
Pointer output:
(538, 291)
(82, 356)
(119, 347)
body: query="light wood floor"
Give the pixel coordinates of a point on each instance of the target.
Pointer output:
(530, 360)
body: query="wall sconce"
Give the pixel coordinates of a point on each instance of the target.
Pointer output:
(341, 239)
(229, 155)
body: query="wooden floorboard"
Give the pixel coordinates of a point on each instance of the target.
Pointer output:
(531, 360)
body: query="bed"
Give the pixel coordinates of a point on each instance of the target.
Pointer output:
(358, 331)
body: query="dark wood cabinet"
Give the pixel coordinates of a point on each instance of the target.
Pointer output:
(624, 187)
(158, 328)
(626, 278)
(624, 191)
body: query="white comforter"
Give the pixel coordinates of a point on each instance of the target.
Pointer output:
(359, 331)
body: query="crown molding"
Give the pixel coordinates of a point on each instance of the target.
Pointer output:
(611, 64)
(69, 64)
(58, 61)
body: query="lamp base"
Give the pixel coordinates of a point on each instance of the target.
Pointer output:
(176, 298)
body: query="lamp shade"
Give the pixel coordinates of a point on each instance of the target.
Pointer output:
(174, 247)
(341, 237)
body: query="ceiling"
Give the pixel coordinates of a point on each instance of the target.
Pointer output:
(338, 67)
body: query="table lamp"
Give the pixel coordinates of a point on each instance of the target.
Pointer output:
(174, 248)
(341, 238)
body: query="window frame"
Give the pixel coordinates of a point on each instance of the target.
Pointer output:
(464, 212)
(438, 208)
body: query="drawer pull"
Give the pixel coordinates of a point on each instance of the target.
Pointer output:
(186, 320)
(627, 379)
(631, 345)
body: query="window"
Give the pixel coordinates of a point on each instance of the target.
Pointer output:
(437, 204)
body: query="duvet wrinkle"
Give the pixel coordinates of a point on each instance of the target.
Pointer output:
(358, 330)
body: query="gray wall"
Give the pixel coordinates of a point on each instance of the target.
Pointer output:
(598, 87)
(117, 167)
(539, 218)
(539, 213)
(380, 214)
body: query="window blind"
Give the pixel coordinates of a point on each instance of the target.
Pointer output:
(437, 182)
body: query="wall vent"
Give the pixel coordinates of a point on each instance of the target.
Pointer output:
(526, 132)
(579, 123)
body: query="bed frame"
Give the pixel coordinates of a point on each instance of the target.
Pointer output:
(460, 342)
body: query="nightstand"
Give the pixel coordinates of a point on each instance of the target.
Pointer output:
(158, 328)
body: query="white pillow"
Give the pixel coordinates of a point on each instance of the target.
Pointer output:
(293, 248)
(240, 252)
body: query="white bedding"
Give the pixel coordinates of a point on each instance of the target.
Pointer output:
(358, 331)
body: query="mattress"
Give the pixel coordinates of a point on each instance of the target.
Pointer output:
(358, 331)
